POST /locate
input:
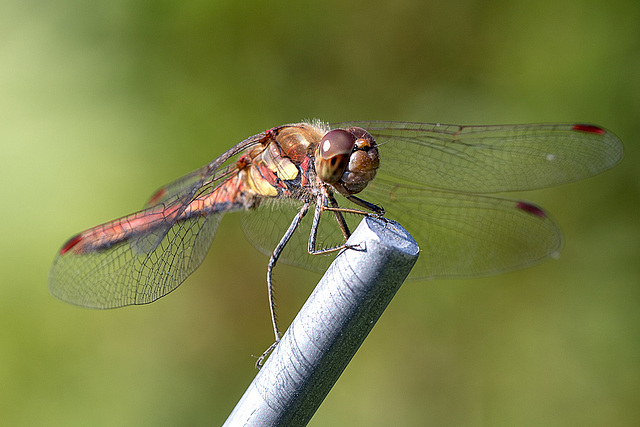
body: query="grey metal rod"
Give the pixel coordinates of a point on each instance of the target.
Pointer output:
(329, 328)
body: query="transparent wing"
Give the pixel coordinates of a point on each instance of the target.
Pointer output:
(143, 256)
(460, 234)
(180, 187)
(188, 185)
(126, 273)
(468, 235)
(489, 159)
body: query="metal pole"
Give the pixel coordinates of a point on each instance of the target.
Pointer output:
(329, 328)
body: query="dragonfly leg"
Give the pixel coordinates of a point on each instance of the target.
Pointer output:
(272, 263)
(332, 206)
(321, 206)
(339, 218)
(377, 210)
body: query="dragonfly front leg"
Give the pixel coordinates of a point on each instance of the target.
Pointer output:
(321, 206)
(272, 263)
(339, 218)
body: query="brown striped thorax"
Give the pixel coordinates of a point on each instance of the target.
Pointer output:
(346, 159)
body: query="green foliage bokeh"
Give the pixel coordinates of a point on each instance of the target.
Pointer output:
(103, 102)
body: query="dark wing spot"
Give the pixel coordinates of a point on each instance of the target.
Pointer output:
(532, 209)
(589, 128)
(70, 244)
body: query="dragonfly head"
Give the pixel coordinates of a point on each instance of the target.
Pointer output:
(347, 159)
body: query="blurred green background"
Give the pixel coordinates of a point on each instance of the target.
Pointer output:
(103, 102)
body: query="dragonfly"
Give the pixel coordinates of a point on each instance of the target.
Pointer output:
(302, 188)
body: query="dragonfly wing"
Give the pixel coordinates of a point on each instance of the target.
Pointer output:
(144, 256)
(179, 188)
(468, 235)
(489, 159)
(187, 186)
(126, 273)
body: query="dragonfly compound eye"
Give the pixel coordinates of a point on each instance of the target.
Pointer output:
(333, 153)
(363, 162)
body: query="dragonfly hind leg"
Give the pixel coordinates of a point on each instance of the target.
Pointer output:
(324, 202)
(272, 263)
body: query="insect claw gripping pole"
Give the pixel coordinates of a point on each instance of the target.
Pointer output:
(329, 328)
